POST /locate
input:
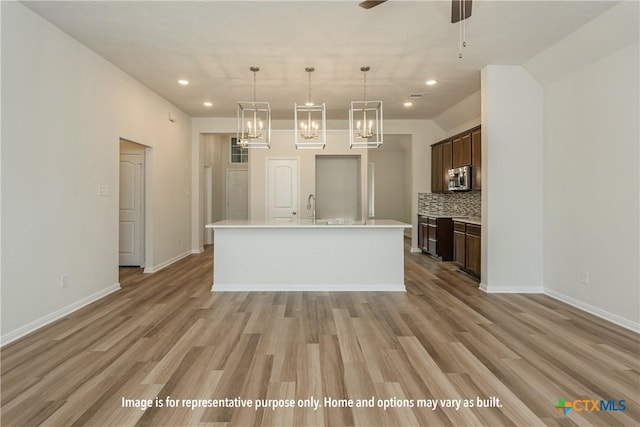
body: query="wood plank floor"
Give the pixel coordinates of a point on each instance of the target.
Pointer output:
(166, 338)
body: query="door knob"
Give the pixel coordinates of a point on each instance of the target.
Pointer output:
(294, 212)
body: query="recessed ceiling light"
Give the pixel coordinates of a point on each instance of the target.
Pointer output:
(183, 82)
(208, 104)
(408, 104)
(431, 82)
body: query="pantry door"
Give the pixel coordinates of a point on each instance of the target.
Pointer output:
(282, 189)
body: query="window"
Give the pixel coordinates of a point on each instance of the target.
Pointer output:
(238, 154)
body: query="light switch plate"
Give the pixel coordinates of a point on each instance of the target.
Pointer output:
(103, 190)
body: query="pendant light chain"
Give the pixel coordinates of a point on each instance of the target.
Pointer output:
(364, 71)
(254, 86)
(309, 73)
(365, 86)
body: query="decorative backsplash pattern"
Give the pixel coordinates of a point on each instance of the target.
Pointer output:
(463, 203)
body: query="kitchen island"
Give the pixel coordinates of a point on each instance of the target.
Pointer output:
(308, 255)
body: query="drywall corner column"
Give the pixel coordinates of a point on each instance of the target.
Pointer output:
(512, 180)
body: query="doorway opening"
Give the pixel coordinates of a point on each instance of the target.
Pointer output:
(133, 196)
(224, 189)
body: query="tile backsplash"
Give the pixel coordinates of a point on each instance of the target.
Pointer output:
(463, 203)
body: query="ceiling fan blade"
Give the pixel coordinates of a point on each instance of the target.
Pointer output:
(368, 4)
(456, 13)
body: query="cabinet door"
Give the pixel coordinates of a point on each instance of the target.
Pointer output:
(436, 168)
(465, 150)
(476, 159)
(456, 152)
(421, 235)
(459, 248)
(447, 163)
(473, 255)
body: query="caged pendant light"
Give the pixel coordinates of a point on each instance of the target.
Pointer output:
(254, 121)
(310, 122)
(365, 121)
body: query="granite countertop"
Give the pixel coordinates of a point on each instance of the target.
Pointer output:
(440, 215)
(475, 220)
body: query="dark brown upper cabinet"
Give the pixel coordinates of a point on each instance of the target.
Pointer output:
(436, 168)
(463, 149)
(476, 159)
(447, 163)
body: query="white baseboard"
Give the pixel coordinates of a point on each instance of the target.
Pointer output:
(56, 315)
(270, 287)
(415, 250)
(511, 289)
(613, 318)
(167, 263)
(197, 251)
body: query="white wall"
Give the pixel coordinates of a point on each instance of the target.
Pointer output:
(591, 186)
(512, 122)
(591, 173)
(338, 187)
(390, 177)
(64, 110)
(462, 116)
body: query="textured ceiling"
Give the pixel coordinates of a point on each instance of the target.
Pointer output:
(213, 43)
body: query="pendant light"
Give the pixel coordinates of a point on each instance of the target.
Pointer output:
(254, 121)
(310, 122)
(365, 121)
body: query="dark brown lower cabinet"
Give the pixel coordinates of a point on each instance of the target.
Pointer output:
(423, 230)
(473, 246)
(467, 245)
(459, 243)
(435, 237)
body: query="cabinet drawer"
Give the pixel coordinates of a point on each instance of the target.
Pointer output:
(433, 232)
(431, 247)
(432, 221)
(473, 230)
(459, 226)
(422, 219)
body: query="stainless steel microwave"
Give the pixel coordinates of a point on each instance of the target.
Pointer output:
(460, 179)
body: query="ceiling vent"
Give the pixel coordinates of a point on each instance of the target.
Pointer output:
(416, 95)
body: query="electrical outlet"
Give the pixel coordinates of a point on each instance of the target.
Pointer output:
(64, 281)
(584, 277)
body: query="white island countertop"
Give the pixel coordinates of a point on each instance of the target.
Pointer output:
(309, 223)
(334, 255)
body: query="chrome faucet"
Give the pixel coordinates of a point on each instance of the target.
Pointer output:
(311, 196)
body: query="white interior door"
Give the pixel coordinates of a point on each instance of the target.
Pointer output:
(131, 209)
(282, 189)
(237, 194)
